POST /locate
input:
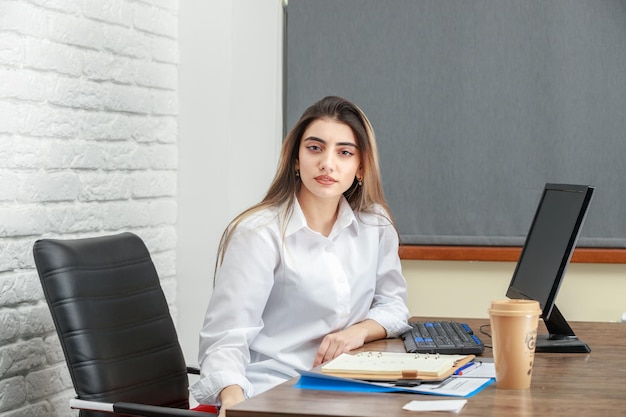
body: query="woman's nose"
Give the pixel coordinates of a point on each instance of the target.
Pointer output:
(327, 163)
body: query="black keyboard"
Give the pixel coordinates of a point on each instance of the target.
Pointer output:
(445, 337)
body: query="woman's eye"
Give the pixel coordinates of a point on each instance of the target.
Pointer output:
(314, 148)
(346, 153)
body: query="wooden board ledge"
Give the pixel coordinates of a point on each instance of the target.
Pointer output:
(502, 254)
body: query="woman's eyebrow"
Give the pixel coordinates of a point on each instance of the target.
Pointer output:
(322, 141)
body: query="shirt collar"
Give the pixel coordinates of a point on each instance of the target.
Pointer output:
(345, 218)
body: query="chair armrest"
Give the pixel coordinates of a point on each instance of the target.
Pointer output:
(133, 409)
(193, 370)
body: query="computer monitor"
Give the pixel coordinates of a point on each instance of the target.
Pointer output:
(545, 256)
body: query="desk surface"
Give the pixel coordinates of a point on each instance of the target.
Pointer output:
(592, 384)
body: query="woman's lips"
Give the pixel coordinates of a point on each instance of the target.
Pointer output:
(325, 180)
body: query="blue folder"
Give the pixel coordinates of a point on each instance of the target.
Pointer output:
(325, 382)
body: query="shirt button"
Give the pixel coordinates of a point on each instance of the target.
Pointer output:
(330, 248)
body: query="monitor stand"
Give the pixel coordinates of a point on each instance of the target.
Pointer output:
(561, 337)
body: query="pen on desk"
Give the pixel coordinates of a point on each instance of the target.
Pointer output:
(466, 368)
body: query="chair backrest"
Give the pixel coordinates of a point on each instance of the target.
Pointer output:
(113, 320)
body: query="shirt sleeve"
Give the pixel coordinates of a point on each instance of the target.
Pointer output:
(389, 307)
(233, 319)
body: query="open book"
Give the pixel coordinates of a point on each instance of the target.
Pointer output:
(395, 365)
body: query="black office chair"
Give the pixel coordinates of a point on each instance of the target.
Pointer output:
(114, 326)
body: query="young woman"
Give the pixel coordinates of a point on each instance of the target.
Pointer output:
(312, 270)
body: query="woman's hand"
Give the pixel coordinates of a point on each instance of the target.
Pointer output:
(231, 395)
(353, 337)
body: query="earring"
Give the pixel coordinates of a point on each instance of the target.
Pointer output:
(297, 173)
(360, 181)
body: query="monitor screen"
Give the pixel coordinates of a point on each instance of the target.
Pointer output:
(548, 249)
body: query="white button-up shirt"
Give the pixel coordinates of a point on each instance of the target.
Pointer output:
(279, 291)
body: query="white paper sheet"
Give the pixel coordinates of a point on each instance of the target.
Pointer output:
(458, 387)
(435, 405)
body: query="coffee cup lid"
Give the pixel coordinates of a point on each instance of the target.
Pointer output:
(515, 307)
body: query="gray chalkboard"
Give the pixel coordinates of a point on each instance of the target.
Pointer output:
(476, 105)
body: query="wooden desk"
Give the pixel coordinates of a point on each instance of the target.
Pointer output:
(572, 384)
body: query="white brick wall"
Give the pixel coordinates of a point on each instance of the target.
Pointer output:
(88, 146)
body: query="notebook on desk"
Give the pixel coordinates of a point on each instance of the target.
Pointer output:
(393, 366)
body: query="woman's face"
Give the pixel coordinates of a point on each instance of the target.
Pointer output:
(329, 159)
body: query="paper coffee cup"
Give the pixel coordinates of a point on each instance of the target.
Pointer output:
(514, 334)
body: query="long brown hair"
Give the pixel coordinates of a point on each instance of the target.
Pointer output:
(282, 192)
